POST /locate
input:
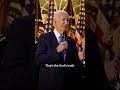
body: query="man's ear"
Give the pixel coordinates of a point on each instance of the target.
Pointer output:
(54, 22)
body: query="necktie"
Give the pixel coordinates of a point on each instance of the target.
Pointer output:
(61, 39)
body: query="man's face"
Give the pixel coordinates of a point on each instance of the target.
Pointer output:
(61, 22)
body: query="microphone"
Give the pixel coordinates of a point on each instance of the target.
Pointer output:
(65, 36)
(65, 39)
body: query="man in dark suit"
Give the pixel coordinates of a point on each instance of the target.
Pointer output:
(18, 62)
(53, 56)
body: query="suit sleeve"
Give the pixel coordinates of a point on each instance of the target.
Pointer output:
(45, 55)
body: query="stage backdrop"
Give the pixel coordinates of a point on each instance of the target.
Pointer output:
(45, 11)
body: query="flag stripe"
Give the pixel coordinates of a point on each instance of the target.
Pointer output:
(103, 16)
(80, 27)
(49, 22)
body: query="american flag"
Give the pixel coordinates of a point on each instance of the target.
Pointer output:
(14, 10)
(20, 8)
(39, 27)
(70, 11)
(80, 27)
(28, 7)
(49, 22)
(102, 16)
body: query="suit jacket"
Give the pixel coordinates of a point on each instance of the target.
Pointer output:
(18, 63)
(55, 78)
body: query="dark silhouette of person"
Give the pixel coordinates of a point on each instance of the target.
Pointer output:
(18, 68)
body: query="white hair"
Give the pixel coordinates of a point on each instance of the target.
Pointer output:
(57, 13)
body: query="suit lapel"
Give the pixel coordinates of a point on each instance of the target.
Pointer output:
(53, 39)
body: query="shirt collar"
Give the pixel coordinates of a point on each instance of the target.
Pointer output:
(57, 34)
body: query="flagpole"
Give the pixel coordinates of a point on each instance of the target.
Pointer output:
(70, 13)
(37, 19)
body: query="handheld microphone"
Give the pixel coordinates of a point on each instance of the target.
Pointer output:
(65, 36)
(65, 39)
